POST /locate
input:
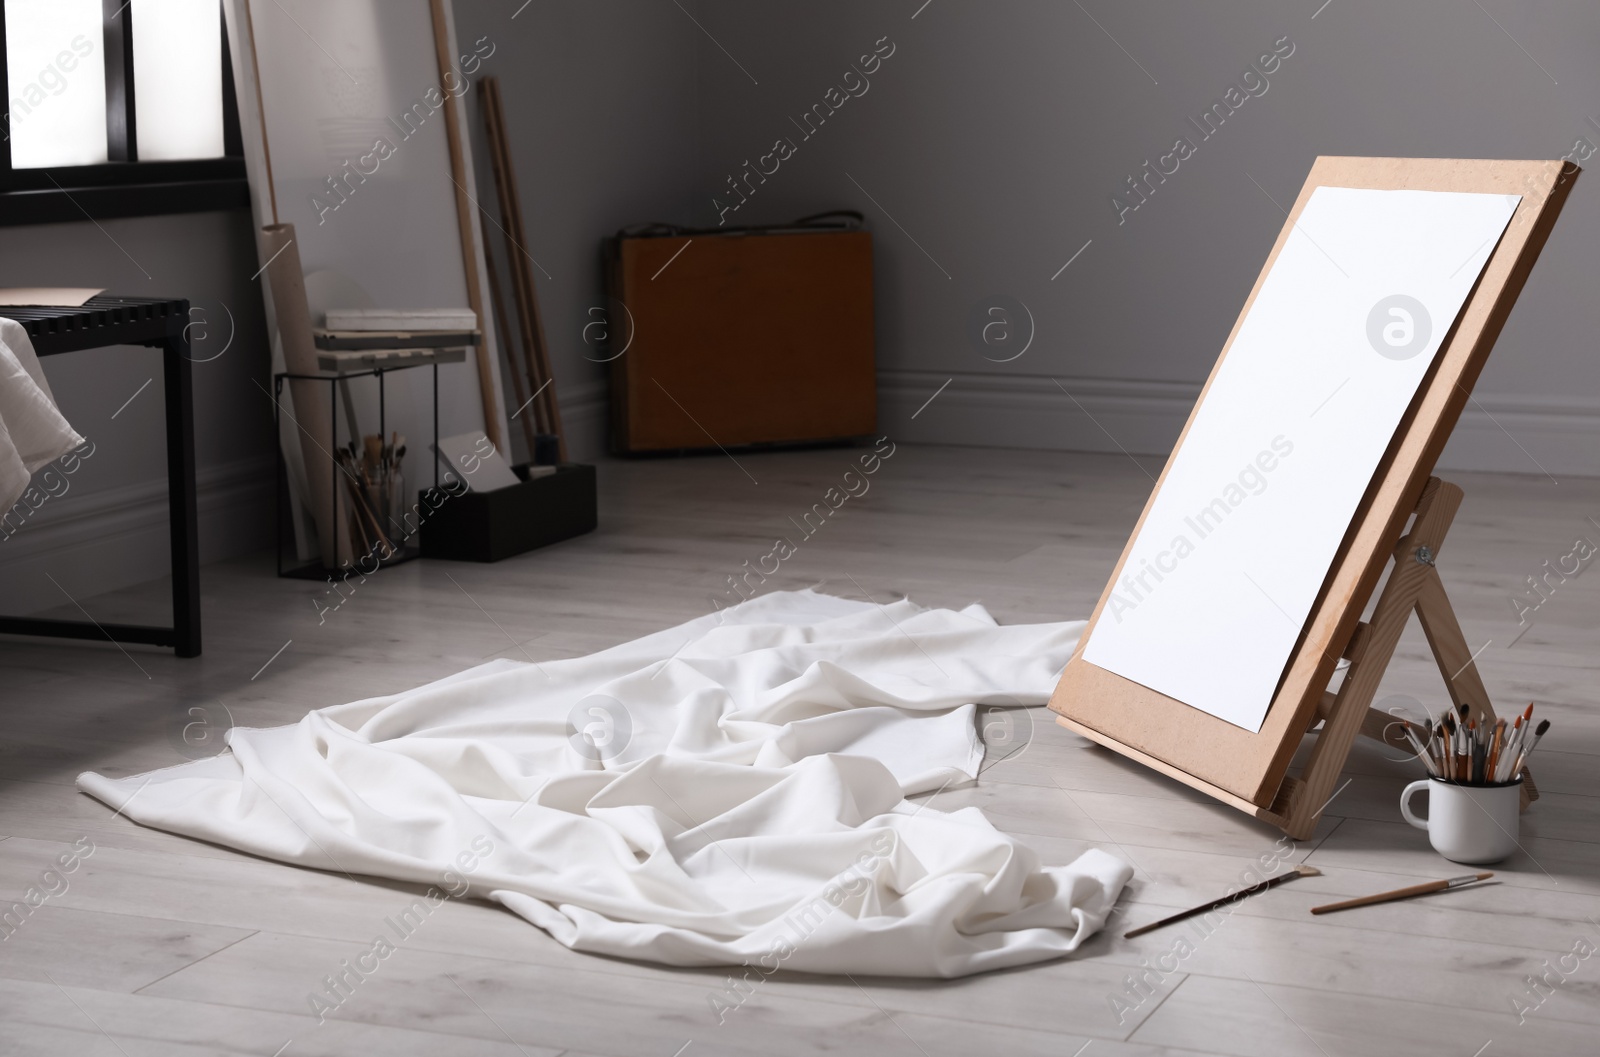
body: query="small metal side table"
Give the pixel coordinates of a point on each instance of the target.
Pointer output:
(409, 548)
(161, 323)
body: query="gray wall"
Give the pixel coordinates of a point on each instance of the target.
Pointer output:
(990, 143)
(997, 134)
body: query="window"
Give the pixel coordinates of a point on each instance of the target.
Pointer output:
(56, 77)
(117, 108)
(177, 78)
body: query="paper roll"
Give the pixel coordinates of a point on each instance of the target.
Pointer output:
(309, 400)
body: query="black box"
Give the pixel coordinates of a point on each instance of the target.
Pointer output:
(489, 526)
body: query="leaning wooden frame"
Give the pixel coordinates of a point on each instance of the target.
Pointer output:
(327, 71)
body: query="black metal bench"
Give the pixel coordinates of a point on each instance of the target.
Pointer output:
(159, 323)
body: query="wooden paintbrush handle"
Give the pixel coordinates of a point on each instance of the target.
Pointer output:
(1243, 893)
(1405, 893)
(1383, 897)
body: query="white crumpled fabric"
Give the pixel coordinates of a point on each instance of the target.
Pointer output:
(32, 431)
(730, 790)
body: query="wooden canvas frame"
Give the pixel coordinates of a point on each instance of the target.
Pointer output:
(1248, 770)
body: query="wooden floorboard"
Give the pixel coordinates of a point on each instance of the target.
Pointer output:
(163, 945)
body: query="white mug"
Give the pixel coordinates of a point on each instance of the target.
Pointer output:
(1468, 823)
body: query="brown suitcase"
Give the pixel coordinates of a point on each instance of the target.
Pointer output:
(736, 338)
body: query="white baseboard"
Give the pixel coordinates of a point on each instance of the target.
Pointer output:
(1502, 434)
(1527, 434)
(117, 537)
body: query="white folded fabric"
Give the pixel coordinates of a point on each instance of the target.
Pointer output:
(32, 431)
(728, 791)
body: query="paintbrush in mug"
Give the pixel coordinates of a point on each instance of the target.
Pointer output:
(1520, 738)
(1497, 739)
(1471, 751)
(1513, 750)
(1447, 744)
(1533, 743)
(1421, 752)
(1508, 752)
(1480, 753)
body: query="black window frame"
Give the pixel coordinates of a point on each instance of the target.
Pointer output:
(123, 186)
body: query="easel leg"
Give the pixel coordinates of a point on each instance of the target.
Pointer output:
(1450, 647)
(1413, 585)
(1456, 662)
(1435, 511)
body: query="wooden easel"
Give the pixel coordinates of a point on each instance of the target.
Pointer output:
(1413, 584)
(1400, 526)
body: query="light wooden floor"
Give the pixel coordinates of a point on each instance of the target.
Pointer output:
(167, 946)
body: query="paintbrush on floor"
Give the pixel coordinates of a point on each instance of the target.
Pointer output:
(1243, 893)
(1426, 888)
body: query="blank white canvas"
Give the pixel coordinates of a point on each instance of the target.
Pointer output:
(1229, 561)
